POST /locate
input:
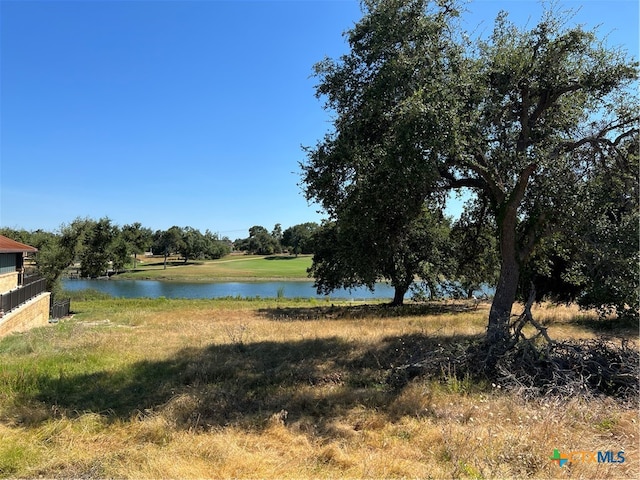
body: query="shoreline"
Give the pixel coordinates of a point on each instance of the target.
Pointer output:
(118, 277)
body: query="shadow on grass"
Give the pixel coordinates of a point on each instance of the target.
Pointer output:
(624, 328)
(145, 267)
(365, 311)
(281, 257)
(244, 384)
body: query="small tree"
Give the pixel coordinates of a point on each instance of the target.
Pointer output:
(297, 239)
(119, 252)
(216, 247)
(167, 242)
(138, 238)
(192, 244)
(276, 233)
(95, 247)
(260, 242)
(55, 254)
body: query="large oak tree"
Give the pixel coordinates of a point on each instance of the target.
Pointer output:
(518, 118)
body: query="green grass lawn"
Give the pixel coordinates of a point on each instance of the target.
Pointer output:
(231, 267)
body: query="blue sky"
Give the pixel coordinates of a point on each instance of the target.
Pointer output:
(188, 113)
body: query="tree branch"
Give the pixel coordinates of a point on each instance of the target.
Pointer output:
(599, 138)
(454, 183)
(521, 186)
(548, 98)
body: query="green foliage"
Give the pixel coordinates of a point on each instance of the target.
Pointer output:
(138, 238)
(348, 254)
(335, 263)
(260, 241)
(540, 105)
(610, 236)
(166, 242)
(595, 262)
(193, 244)
(215, 247)
(36, 238)
(521, 118)
(190, 243)
(473, 238)
(97, 238)
(55, 256)
(99, 247)
(298, 239)
(120, 253)
(374, 173)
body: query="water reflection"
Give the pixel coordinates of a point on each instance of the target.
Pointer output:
(156, 289)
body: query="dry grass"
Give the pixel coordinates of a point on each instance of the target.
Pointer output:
(213, 389)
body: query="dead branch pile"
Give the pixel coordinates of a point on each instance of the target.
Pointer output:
(569, 368)
(540, 366)
(585, 368)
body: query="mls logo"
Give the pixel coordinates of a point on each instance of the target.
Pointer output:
(587, 457)
(558, 457)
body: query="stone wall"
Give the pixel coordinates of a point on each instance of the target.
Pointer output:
(8, 281)
(34, 313)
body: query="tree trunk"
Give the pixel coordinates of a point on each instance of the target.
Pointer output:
(398, 296)
(500, 314)
(432, 289)
(497, 337)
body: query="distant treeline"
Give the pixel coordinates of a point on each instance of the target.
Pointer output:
(97, 248)
(100, 247)
(296, 240)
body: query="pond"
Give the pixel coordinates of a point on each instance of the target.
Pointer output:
(156, 289)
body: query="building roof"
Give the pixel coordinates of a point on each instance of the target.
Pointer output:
(11, 246)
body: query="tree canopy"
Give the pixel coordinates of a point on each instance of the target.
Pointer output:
(372, 174)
